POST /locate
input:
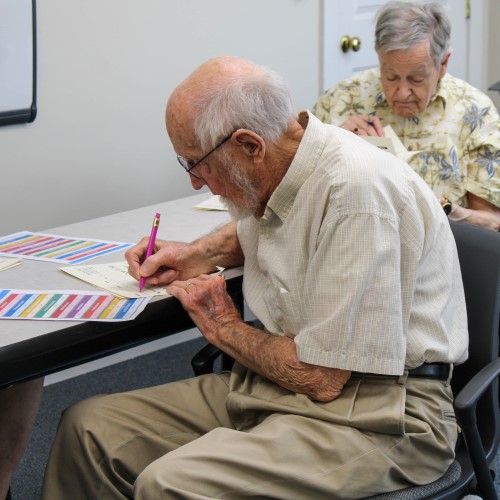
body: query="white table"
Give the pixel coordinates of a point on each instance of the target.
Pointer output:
(29, 348)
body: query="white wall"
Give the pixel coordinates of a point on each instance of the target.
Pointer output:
(105, 71)
(494, 45)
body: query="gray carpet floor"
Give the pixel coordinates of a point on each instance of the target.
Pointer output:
(166, 365)
(172, 363)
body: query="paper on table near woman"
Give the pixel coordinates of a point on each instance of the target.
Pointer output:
(114, 278)
(391, 143)
(8, 263)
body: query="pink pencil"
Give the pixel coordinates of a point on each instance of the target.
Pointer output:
(151, 245)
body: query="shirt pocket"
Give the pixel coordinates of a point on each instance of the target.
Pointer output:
(288, 310)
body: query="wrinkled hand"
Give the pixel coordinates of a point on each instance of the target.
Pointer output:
(170, 261)
(206, 300)
(364, 125)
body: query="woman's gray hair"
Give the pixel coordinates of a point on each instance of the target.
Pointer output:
(402, 25)
(258, 101)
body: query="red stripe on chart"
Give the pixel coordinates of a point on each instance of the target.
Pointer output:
(11, 298)
(62, 308)
(95, 306)
(46, 246)
(28, 244)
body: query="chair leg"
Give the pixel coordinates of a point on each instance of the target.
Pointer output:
(8, 497)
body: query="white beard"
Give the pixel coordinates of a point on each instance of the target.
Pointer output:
(236, 211)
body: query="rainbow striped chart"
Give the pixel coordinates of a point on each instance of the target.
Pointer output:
(68, 305)
(53, 248)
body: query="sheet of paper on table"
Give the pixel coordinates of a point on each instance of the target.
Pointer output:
(114, 278)
(8, 263)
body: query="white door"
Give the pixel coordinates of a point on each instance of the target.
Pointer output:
(353, 24)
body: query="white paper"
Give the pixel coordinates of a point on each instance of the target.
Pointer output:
(391, 143)
(8, 263)
(114, 278)
(213, 203)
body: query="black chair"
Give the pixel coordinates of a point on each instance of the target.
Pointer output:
(475, 382)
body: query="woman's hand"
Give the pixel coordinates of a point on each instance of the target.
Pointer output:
(364, 125)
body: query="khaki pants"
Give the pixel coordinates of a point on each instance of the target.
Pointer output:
(239, 435)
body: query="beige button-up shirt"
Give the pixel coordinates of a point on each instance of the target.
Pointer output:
(456, 139)
(354, 259)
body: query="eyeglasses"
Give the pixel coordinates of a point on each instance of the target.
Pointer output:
(188, 165)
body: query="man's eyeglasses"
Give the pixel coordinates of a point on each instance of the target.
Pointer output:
(189, 165)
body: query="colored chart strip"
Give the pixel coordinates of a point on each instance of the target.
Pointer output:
(25, 303)
(67, 305)
(21, 246)
(114, 249)
(110, 310)
(50, 247)
(35, 306)
(70, 249)
(83, 250)
(44, 310)
(9, 302)
(36, 245)
(12, 242)
(95, 307)
(127, 308)
(92, 250)
(80, 306)
(16, 309)
(57, 248)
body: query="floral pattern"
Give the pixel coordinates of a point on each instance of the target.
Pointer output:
(456, 139)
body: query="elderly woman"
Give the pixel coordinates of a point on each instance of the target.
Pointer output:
(453, 128)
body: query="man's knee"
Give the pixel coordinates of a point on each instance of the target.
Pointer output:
(169, 477)
(80, 417)
(147, 485)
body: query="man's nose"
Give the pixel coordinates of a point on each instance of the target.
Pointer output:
(197, 183)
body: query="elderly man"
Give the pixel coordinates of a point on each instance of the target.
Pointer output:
(349, 263)
(453, 128)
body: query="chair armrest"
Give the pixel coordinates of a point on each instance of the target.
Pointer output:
(203, 361)
(465, 409)
(466, 400)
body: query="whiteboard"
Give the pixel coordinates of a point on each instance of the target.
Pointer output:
(17, 61)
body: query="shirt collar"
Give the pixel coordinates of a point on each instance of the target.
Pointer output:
(300, 169)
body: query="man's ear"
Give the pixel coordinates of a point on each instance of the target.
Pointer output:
(252, 145)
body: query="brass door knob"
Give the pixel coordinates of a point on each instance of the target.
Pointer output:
(347, 43)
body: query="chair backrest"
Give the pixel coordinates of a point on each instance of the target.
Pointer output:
(479, 254)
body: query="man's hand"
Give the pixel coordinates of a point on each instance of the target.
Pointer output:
(274, 357)
(364, 125)
(209, 305)
(170, 261)
(174, 260)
